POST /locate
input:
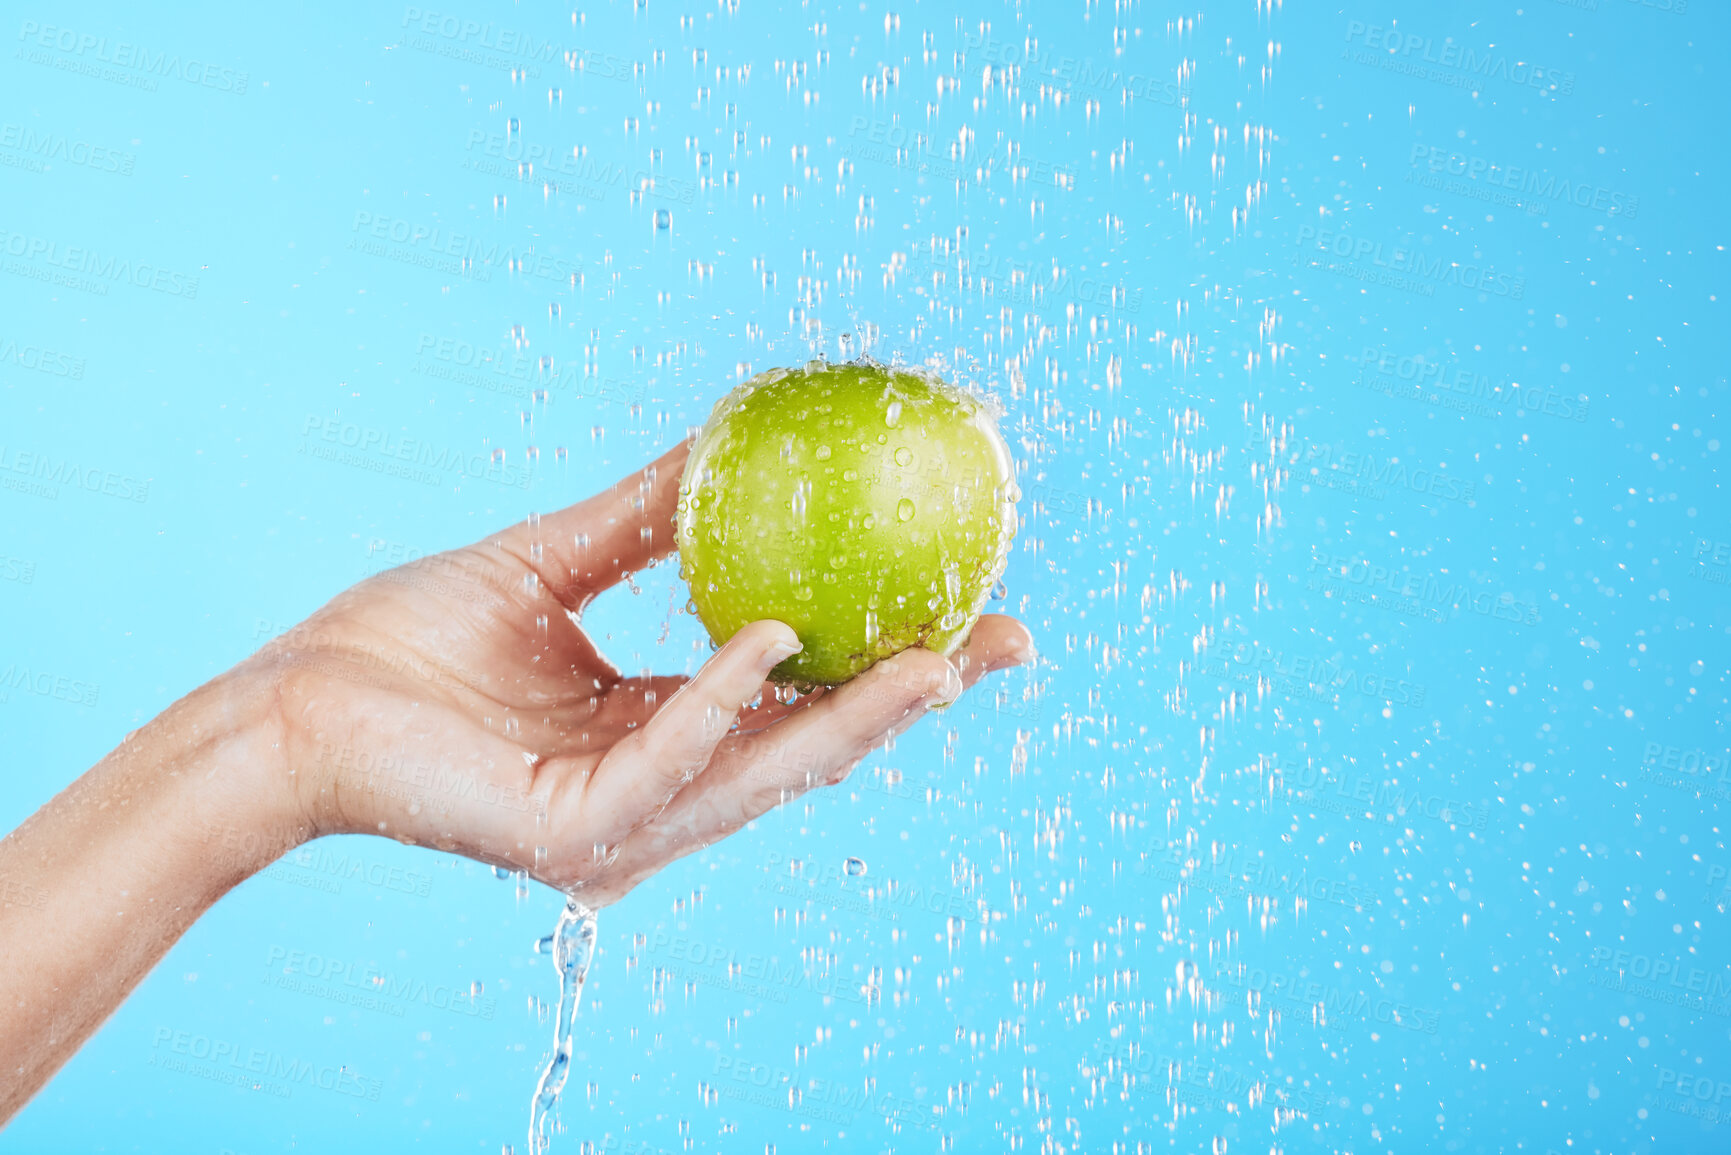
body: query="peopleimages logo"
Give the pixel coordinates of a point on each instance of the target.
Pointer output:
(320, 868)
(1231, 877)
(1450, 385)
(1697, 1095)
(1199, 1084)
(130, 64)
(1423, 594)
(757, 976)
(998, 275)
(1329, 464)
(42, 359)
(887, 899)
(1404, 268)
(17, 569)
(896, 145)
(1069, 72)
(1329, 677)
(40, 475)
(1661, 980)
(77, 263)
(1533, 183)
(1363, 795)
(1704, 772)
(461, 254)
(573, 171)
(224, 1061)
(46, 684)
(1449, 63)
(1332, 1003)
(381, 451)
(366, 986)
(487, 44)
(37, 150)
(518, 375)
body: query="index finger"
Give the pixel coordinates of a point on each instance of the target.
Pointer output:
(589, 546)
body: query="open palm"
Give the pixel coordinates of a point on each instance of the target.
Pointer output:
(457, 703)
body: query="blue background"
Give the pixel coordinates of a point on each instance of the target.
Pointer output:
(1360, 365)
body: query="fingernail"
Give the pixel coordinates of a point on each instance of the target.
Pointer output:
(774, 653)
(1023, 654)
(946, 694)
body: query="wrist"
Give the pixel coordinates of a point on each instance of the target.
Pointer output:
(212, 765)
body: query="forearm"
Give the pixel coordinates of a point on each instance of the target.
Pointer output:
(101, 882)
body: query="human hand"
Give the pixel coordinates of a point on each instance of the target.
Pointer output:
(457, 703)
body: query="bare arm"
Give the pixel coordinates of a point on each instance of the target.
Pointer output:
(454, 703)
(102, 880)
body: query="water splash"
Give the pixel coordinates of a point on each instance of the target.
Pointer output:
(573, 948)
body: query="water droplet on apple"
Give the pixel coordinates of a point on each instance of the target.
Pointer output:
(838, 561)
(905, 509)
(893, 415)
(904, 456)
(802, 593)
(822, 453)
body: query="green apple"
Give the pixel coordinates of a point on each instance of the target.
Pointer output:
(870, 508)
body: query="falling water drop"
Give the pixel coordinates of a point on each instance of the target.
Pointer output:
(854, 866)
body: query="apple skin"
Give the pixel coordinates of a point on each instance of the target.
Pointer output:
(869, 508)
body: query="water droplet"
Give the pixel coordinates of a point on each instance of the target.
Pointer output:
(854, 866)
(544, 944)
(501, 872)
(904, 456)
(905, 509)
(893, 415)
(838, 561)
(475, 989)
(999, 591)
(802, 594)
(868, 521)
(822, 453)
(663, 219)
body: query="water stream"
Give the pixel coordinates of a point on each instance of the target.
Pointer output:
(573, 948)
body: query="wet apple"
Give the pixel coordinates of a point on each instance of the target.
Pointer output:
(870, 508)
